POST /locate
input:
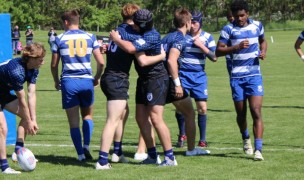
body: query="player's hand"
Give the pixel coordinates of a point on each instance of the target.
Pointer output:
(96, 81)
(198, 42)
(58, 86)
(262, 55)
(244, 44)
(30, 127)
(179, 93)
(114, 35)
(163, 53)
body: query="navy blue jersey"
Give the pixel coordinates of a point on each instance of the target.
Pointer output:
(176, 40)
(14, 74)
(118, 61)
(149, 43)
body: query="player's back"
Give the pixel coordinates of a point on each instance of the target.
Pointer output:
(75, 48)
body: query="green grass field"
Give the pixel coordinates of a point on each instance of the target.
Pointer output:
(283, 110)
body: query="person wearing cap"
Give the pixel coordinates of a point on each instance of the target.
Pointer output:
(175, 45)
(245, 42)
(29, 35)
(52, 34)
(115, 85)
(200, 45)
(14, 73)
(151, 89)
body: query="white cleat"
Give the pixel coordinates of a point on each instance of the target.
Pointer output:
(10, 171)
(258, 156)
(168, 162)
(140, 156)
(197, 152)
(119, 159)
(104, 167)
(247, 147)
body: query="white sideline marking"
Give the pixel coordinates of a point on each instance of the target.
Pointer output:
(216, 148)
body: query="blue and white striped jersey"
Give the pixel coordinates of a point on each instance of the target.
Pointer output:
(193, 58)
(176, 40)
(302, 36)
(14, 74)
(75, 48)
(244, 62)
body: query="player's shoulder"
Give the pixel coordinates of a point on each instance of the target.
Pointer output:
(152, 35)
(255, 22)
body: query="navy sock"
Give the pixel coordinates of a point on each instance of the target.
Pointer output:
(258, 144)
(181, 123)
(103, 158)
(4, 164)
(202, 123)
(18, 145)
(76, 138)
(169, 154)
(152, 152)
(87, 131)
(117, 148)
(245, 134)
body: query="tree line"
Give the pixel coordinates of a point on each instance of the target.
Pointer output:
(104, 15)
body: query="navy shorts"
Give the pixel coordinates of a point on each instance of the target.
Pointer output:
(171, 93)
(77, 91)
(115, 87)
(5, 98)
(152, 91)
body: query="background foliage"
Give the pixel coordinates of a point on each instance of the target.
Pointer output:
(103, 15)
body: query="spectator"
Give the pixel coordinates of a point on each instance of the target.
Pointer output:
(29, 35)
(15, 38)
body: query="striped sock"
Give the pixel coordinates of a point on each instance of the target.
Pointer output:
(4, 164)
(117, 148)
(103, 158)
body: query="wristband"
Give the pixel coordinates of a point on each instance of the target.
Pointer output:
(177, 82)
(302, 57)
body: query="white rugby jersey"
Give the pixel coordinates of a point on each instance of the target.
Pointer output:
(75, 48)
(243, 62)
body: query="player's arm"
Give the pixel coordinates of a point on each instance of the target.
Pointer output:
(126, 46)
(173, 70)
(54, 69)
(100, 65)
(144, 60)
(32, 102)
(210, 54)
(298, 49)
(222, 49)
(263, 48)
(24, 113)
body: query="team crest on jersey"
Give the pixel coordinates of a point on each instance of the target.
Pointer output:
(179, 46)
(149, 96)
(254, 31)
(260, 88)
(141, 41)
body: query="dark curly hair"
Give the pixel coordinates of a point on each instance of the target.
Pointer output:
(239, 5)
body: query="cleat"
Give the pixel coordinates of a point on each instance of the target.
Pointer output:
(247, 147)
(10, 171)
(149, 160)
(258, 156)
(140, 156)
(119, 159)
(168, 162)
(87, 154)
(104, 167)
(81, 158)
(197, 152)
(180, 141)
(202, 144)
